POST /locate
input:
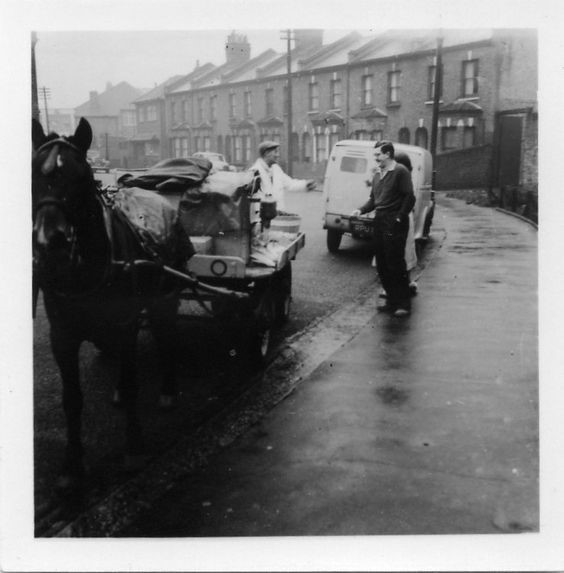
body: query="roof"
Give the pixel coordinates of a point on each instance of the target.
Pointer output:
(109, 102)
(333, 54)
(327, 117)
(366, 143)
(280, 65)
(248, 70)
(400, 42)
(158, 92)
(187, 83)
(369, 113)
(461, 106)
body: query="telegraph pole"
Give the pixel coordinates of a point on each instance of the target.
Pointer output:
(35, 113)
(288, 38)
(436, 100)
(46, 93)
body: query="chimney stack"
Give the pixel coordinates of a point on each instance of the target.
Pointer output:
(237, 49)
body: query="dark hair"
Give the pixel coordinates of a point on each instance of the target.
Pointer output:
(403, 158)
(387, 147)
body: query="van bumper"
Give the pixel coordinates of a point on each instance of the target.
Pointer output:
(359, 227)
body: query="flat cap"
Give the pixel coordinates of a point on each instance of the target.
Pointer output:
(267, 145)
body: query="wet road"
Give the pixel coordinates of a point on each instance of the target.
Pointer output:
(211, 374)
(427, 425)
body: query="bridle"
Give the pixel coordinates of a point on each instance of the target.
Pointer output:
(55, 196)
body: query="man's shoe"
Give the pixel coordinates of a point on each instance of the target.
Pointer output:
(401, 312)
(412, 288)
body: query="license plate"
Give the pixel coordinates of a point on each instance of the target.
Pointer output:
(361, 228)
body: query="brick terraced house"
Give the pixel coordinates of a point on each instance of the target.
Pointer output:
(381, 86)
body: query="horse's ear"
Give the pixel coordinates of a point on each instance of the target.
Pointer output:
(37, 134)
(83, 135)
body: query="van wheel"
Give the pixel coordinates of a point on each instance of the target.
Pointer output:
(428, 222)
(333, 240)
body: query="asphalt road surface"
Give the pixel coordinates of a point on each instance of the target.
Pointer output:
(211, 373)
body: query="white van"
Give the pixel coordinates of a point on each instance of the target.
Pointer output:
(348, 180)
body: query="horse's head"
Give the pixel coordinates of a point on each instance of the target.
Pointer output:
(61, 178)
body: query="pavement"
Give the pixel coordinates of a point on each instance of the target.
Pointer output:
(422, 425)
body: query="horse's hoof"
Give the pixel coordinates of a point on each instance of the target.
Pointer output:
(135, 462)
(167, 402)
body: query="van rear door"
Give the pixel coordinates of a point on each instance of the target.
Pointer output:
(349, 177)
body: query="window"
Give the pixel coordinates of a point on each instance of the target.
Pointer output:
(269, 101)
(404, 136)
(306, 147)
(335, 94)
(353, 164)
(219, 144)
(313, 96)
(128, 118)
(232, 105)
(184, 147)
(333, 138)
(206, 142)
(176, 143)
(248, 104)
(320, 148)
(173, 112)
(185, 110)
(448, 138)
(469, 136)
(213, 108)
(421, 137)
(228, 149)
(197, 143)
(470, 78)
(200, 109)
(366, 90)
(432, 82)
(246, 148)
(394, 87)
(238, 149)
(376, 135)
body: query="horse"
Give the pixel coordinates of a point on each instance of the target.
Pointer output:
(99, 280)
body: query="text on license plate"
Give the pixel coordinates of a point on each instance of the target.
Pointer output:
(361, 228)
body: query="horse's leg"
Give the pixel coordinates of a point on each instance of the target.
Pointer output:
(65, 350)
(162, 317)
(129, 390)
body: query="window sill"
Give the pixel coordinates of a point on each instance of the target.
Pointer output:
(393, 104)
(431, 102)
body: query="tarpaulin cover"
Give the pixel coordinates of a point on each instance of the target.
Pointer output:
(220, 204)
(156, 221)
(172, 175)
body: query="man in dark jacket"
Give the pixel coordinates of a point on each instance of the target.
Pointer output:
(392, 198)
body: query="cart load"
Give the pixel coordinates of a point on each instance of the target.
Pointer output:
(242, 244)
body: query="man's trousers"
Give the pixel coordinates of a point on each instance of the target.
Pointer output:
(389, 248)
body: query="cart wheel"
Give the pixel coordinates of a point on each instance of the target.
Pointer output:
(283, 294)
(333, 240)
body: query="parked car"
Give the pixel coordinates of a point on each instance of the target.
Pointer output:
(348, 178)
(217, 160)
(98, 163)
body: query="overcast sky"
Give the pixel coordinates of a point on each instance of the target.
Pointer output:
(71, 64)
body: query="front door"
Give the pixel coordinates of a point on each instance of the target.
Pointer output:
(510, 137)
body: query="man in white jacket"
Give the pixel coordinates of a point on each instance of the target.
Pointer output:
(274, 181)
